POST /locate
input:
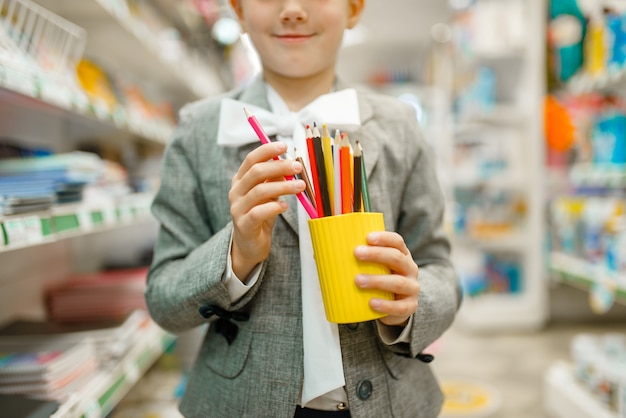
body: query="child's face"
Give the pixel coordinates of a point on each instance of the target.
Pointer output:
(297, 38)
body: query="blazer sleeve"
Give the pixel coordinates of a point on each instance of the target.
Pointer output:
(189, 257)
(420, 222)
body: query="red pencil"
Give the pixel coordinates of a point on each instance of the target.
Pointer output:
(310, 145)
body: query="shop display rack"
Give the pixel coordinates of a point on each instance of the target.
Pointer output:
(564, 397)
(70, 221)
(504, 120)
(108, 387)
(43, 106)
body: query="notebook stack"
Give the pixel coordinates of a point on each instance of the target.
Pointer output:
(46, 370)
(111, 338)
(108, 295)
(35, 183)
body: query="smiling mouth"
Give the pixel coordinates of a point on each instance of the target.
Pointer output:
(293, 37)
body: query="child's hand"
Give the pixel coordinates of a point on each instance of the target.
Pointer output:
(388, 248)
(254, 203)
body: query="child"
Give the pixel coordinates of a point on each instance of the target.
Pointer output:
(231, 232)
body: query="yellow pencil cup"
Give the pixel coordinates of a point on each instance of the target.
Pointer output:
(334, 240)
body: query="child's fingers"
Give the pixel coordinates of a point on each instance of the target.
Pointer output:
(388, 239)
(258, 214)
(263, 153)
(263, 193)
(401, 308)
(401, 286)
(265, 171)
(391, 257)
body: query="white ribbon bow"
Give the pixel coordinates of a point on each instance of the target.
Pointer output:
(323, 367)
(339, 110)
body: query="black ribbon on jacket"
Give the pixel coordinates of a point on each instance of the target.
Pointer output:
(423, 357)
(224, 324)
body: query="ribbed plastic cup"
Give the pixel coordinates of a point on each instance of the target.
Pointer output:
(334, 239)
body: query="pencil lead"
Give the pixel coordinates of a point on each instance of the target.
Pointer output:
(359, 151)
(316, 131)
(325, 132)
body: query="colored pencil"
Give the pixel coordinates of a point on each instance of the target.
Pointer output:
(260, 133)
(309, 187)
(327, 147)
(346, 180)
(337, 173)
(357, 177)
(310, 145)
(364, 188)
(321, 171)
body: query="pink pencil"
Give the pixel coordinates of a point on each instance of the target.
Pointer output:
(258, 129)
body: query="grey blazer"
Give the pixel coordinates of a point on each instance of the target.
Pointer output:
(260, 372)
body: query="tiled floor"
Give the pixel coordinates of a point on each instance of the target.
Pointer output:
(512, 364)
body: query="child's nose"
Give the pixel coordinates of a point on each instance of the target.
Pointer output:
(293, 11)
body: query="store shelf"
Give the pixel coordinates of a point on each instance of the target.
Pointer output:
(598, 175)
(499, 159)
(514, 242)
(564, 397)
(108, 387)
(81, 122)
(500, 114)
(70, 221)
(585, 83)
(580, 273)
(123, 44)
(497, 312)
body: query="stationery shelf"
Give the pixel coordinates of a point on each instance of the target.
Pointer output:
(513, 241)
(596, 175)
(583, 274)
(495, 312)
(123, 42)
(564, 397)
(500, 114)
(70, 221)
(124, 123)
(608, 82)
(498, 147)
(79, 121)
(108, 387)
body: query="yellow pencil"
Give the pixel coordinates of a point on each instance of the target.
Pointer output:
(327, 148)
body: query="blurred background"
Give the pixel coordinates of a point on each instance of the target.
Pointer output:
(522, 101)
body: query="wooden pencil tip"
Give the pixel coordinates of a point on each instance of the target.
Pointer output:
(248, 114)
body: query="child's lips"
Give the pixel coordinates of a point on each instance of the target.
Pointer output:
(294, 37)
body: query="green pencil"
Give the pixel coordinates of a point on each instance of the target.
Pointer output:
(364, 189)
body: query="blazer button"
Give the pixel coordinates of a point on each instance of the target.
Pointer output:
(364, 389)
(352, 326)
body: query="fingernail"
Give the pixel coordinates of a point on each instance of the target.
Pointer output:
(360, 250)
(373, 236)
(300, 185)
(360, 280)
(375, 303)
(296, 165)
